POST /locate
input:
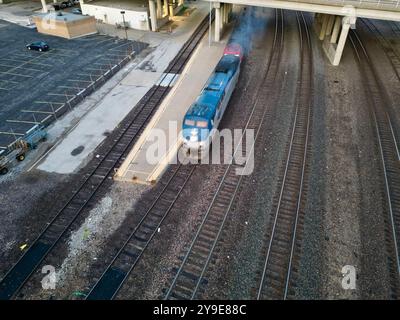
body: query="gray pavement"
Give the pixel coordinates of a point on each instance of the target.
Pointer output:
(35, 86)
(106, 113)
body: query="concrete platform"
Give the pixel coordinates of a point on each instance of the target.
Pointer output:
(104, 110)
(137, 168)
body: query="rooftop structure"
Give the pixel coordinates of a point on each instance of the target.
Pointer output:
(66, 25)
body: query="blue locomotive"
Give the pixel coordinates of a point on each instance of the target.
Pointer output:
(206, 112)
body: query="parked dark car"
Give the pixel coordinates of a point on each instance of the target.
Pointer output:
(65, 4)
(38, 45)
(76, 11)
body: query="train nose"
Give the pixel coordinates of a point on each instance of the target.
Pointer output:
(194, 135)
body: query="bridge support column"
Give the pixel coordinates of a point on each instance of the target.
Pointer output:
(346, 24)
(222, 15)
(44, 5)
(171, 9)
(165, 8)
(337, 27)
(324, 22)
(331, 21)
(226, 12)
(221, 20)
(217, 21)
(153, 15)
(159, 9)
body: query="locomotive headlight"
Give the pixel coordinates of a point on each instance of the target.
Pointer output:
(194, 134)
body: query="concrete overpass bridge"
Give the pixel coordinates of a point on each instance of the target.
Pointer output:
(333, 18)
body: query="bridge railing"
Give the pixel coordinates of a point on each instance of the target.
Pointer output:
(366, 4)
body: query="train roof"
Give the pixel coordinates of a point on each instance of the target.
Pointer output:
(199, 109)
(216, 83)
(228, 63)
(223, 72)
(205, 105)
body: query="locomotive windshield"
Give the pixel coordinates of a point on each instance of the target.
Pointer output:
(202, 124)
(189, 122)
(198, 123)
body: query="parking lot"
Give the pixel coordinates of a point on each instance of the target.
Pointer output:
(38, 87)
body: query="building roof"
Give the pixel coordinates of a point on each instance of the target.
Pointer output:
(136, 5)
(66, 16)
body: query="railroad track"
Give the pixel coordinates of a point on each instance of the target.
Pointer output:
(390, 51)
(108, 285)
(390, 157)
(110, 282)
(395, 27)
(189, 278)
(100, 171)
(283, 232)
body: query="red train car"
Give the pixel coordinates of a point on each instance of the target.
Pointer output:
(235, 49)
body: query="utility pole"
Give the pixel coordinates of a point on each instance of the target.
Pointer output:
(209, 27)
(123, 19)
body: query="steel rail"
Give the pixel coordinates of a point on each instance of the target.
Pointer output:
(390, 51)
(224, 179)
(112, 292)
(12, 278)
(288, 176)
(301, 183)
(385, 136)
